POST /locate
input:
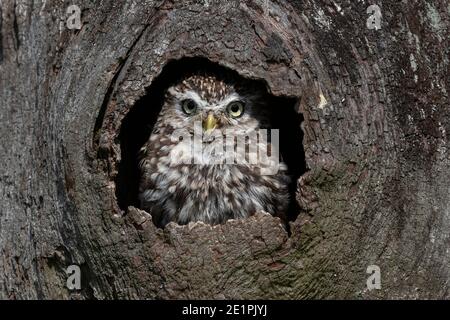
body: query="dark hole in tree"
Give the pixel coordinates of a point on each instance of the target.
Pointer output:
(138, 123)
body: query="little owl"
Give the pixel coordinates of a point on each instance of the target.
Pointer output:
(183, 182)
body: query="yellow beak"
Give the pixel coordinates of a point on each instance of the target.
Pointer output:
(209, 123)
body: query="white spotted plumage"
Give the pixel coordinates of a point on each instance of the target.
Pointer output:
(208, 192)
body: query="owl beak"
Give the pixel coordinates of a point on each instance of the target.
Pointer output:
(210, 123)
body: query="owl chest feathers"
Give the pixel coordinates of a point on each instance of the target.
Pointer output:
(182, 184)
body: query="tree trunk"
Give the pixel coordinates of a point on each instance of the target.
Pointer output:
(376, 131)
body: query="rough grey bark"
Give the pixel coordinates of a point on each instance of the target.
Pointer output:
(376, 110)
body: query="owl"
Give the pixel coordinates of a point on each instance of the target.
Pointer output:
(196, 164)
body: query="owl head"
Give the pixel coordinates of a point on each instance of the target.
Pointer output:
(217, 102)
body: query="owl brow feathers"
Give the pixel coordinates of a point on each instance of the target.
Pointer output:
(181, 95)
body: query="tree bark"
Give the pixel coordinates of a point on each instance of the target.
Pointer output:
(376, 131)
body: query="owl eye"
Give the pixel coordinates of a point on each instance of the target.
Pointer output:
(235, 109)
(189, 106)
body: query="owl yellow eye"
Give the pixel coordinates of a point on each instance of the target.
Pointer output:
(235, 109)
(189, 106)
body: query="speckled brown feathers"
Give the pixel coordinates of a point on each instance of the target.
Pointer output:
(211, 192)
